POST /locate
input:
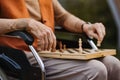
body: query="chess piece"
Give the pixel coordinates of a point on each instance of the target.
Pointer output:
(98, 43)
(60, 46)
(80, 46)
(64, 47)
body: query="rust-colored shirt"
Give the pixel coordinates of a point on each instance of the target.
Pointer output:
(50, 9)
(13, 9)
(33, 9)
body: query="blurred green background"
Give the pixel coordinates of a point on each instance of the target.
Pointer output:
(95, 11)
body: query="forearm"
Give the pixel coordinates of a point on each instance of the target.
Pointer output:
(43, 33)
(8, 25)
(65, 19)
(71, 23)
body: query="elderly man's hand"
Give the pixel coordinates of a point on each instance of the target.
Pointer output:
(46, 37)
(96, 30)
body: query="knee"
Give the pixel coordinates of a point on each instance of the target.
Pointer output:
(111, 61)
(99, 70)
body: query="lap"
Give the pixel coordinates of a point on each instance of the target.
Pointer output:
(57, 69)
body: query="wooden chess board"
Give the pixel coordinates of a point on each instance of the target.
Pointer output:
(73, 53)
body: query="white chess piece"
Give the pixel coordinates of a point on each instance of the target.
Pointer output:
(98, 43)
(80, 45)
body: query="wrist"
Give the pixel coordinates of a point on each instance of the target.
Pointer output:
(84, 26)
(20, 24)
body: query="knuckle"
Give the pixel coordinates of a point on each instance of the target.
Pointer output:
(97, 24)
(40, 36)
(48, 32)
(51, 41)
(54, 39)
(43, 34)
(42, 43)
(46, 43)
(49, 29)
(101, 23)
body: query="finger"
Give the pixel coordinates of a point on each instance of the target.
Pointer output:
(39, 41)
(43, 36)
(54, 43)
(50, 43)
(41, 44)
(99, 32)
(42, 40)
(103, 29)
(93, 35)
(46, 41)
(54, 47)
(38, 48)
(49, 37)
(38, 45)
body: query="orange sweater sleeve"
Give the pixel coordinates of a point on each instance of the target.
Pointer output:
(15, 9)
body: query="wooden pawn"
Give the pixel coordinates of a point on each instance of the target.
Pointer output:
(98, 43)
(61, 46)
(80, 46)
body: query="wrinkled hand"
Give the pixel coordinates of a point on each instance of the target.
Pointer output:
(96, 30)
(46, 37)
